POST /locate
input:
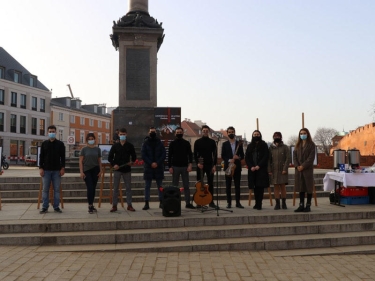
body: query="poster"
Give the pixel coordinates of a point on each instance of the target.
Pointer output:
(105, 148)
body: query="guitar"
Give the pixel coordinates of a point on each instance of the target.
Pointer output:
(229, 172)
(202, 195)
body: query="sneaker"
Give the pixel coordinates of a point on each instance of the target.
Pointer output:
(58, 210)
(91, 211)
(94, 209)
(43, 211)
(114, 209)
(189, 206)
(130, 208)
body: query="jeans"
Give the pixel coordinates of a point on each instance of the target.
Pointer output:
(159, 183)
(116, 182)
(55, 178)
(91, 180)
(177, 171)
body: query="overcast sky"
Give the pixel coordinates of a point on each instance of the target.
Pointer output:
(223, 62)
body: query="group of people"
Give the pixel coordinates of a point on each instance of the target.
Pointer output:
(266, 165)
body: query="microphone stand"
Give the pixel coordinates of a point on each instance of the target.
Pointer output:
(217, 182)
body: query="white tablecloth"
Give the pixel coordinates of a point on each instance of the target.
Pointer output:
(348, 179)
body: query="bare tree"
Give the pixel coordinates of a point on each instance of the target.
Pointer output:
(292, 140)
(323, 138)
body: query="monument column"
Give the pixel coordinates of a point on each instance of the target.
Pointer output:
(137, 36)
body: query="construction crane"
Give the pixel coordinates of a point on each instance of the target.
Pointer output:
(71, 92)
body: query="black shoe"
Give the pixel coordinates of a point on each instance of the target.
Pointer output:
(91, 211)
(212, 205)
(255, 207)
(307, 208)
(146, 207)
(189, 206)
(238, 205)
(283, 205)
(229, 206)
(94, 209)
(43, 211)
(259, 208)
(57, 210)
(299, 209)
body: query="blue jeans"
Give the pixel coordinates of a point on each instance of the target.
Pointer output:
(55, 178)
(148, 186)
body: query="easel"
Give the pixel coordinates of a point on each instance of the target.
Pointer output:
(314, 194)
(269, 192)
(101, 196)
(51, 195)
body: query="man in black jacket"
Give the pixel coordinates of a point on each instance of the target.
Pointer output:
(205, 148)
(180, 160)
(232, 153)
(51, 168)
(122, 156)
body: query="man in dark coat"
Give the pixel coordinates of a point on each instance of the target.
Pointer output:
(153, 155)
(257, 163)
(232, 153)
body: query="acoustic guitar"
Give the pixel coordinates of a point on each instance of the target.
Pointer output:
(202, 195)
(229, 172)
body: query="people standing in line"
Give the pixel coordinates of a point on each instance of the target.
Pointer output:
(205, 148)
(180, 161)
(278, 164)
(90, 163)
(51, 168)
(303, 158)
(122, 156)
(257, 162)
(232, 153)
(116, 137)
(153, 155)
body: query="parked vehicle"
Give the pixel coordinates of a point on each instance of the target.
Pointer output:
(4, 162)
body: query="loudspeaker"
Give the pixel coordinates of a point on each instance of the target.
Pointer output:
(171, 201)
(371, 194)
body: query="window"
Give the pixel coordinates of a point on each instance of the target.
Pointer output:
(32, 81)
(107, 125)
(13, 99)
(99, 138)
(34, 121)
(34, 103)
(41, 127)
(106, 138)
(23, 124)
(82, 120)
(13, 123)
(99, 124)
(2, 71)
(82, 137)
(1, 122)
(91, 122)
(61, 134)
(23, 101)
(72, 119)
(17, 77)
(2, 95)
(61, 116)
(42, 105)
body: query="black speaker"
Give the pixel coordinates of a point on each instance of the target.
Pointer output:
(371, 194)
(171, 201)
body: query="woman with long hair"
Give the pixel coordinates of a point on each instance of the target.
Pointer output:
(303, 158)
(257, 163)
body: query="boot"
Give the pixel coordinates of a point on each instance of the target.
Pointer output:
(146, 207)
(284, 204)
(308, 204)
(300, 208)
(307, 208)
(277, 206)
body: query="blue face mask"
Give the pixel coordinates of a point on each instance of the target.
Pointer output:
(303, 137)
(122, 138)
(91, 142)
(52, 135)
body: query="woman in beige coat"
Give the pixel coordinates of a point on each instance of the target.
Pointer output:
(278, 164)
(303, 157)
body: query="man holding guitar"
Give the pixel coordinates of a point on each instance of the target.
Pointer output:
(232, 153)
(205, 148)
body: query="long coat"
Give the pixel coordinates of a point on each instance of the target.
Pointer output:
(304, 156)
(279, 160)
(259, 178)
(153, 151)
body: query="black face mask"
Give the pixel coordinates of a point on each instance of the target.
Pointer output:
(179, 136)
(277, 140)
(152, 134)
(256, 138)
(231, 136)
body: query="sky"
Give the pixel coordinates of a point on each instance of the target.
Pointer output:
(226, 63)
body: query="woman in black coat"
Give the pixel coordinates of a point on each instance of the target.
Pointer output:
(257, 163)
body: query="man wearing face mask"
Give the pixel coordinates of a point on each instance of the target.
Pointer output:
(180, 160)
(232, 153)
(122, 156)
(205, 148)
(51, 168)
(153, 155)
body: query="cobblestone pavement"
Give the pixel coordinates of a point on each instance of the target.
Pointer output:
(28, 263)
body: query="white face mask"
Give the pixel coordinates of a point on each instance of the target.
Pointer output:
(91, 142)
